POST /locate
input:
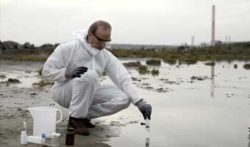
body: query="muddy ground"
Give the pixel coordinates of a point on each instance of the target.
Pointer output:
(190, 108)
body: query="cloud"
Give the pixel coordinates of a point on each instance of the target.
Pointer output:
(133, 21)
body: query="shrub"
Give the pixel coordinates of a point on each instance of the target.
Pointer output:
(143, 69)
(155, 72)
(154, 62)
(132, 64)
(247, 66)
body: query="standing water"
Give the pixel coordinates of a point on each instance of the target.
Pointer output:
(193, 106)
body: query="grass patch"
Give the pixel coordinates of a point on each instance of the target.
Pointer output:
(43, 83)
(154, 62)
(225, 52)
(12, 81)
(170, 61)
(155, 72)
(2, 76)
(132, 64)
(143, 69)
(246, 66)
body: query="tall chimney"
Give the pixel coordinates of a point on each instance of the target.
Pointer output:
(192, 41)
(213, 26)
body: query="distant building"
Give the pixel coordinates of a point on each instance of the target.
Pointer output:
(218, 43)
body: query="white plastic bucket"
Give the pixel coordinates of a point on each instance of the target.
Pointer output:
(44, 120)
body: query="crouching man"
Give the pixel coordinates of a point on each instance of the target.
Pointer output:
(75, 67)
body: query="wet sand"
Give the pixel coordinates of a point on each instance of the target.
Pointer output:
(186, 112)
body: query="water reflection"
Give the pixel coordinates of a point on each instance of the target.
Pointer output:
(147, 131)
(147, 142)
(212, 82)
(249, 137)
(100, 145)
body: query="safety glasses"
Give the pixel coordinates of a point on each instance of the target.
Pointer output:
(100, 39)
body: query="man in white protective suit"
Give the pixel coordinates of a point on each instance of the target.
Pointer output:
(76, 66)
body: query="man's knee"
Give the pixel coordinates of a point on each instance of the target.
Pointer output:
(62, 95)
(90, 77)
(125, 102)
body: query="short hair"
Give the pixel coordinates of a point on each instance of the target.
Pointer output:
(93, 27)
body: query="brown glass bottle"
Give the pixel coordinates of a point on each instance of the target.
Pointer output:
(70, 137)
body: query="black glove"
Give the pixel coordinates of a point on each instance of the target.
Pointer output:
(76, 72)
(144, 108)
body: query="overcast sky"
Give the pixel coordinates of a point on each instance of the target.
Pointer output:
(169, 22)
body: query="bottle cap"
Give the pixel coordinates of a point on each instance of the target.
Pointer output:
(24, 125)
(71, 129)
(43, 135)
(56, 134)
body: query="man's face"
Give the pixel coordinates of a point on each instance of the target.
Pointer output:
(100, 37)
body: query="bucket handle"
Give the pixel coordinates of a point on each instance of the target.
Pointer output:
(61, 116)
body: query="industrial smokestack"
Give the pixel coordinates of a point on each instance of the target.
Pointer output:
(192, 41)
(213, 26)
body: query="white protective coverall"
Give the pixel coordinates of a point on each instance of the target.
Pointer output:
(85, 96)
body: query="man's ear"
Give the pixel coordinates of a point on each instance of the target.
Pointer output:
(88, 35)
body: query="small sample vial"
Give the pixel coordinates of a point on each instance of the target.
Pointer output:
(23, 137)
(147, 125)
(43, 136)
(24, 126)
(147, 142)
(70, 137)
(55, 139)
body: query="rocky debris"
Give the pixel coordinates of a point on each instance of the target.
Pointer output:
(13, 81)
(199, 78)
(235, 66)
(136, 79)
(43, 83)
(133, 122)
(122, 123)
(229, 95)
(167, 81)
(148, 87)
(145, 84)
(53, 104)
(161, 90)
(19, 109)
(33, 93)
(116, 123)
(210, 63)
